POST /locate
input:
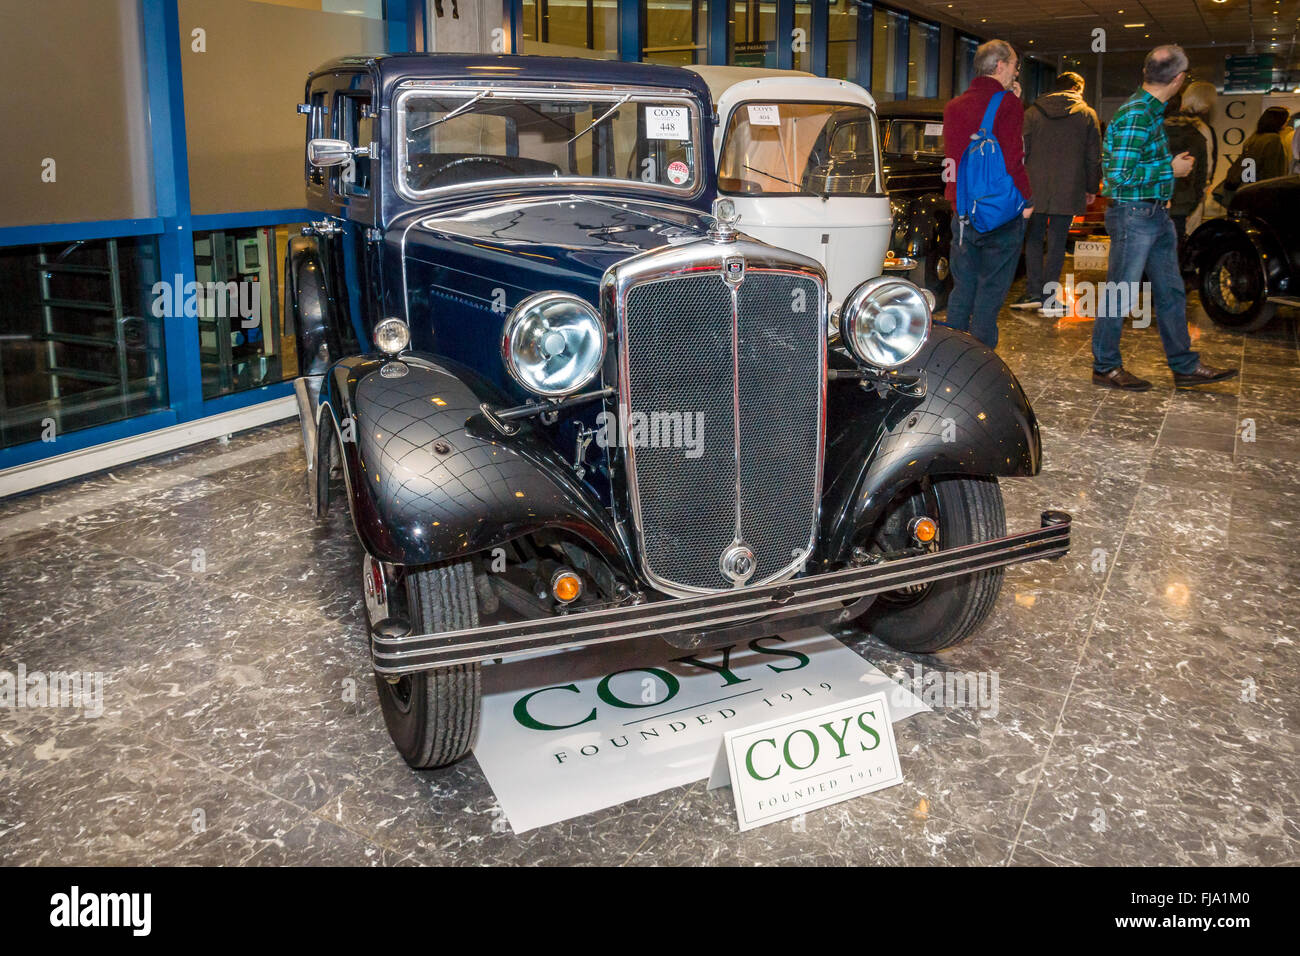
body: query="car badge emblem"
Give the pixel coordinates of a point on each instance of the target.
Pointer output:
(738, 563)
(733, 269)
(393, 370)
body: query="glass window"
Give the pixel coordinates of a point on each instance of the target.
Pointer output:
(454, 137)
(884, 55)
(571, 28)
(963, 68)
(913, 138)
(242, 344)
(922, 59)
(676, 31)
(842, 40)
(357, 127)
(81, 336)
(753, 33)
(799, 148)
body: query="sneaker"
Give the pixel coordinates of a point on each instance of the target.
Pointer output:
(1028, 302)
(1202, 375)
(1053, 309)
(1118, 378)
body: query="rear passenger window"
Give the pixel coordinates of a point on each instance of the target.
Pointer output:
(355, 126)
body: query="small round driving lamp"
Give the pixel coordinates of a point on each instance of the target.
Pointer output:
(392, 336)
(553, 343)
(885, 321)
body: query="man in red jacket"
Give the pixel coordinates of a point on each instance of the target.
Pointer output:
(984, 263)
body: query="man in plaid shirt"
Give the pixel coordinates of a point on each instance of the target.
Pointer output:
(1139, 178)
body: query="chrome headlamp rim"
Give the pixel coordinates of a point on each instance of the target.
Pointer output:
(510, 350)
(392, 336)
(856, 312)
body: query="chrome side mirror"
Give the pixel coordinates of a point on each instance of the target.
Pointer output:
(333, 152)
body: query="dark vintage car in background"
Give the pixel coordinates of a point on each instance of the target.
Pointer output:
(912, 143)
(567, 405)
(1247, 263)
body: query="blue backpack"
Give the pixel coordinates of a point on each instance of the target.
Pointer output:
(987, 196)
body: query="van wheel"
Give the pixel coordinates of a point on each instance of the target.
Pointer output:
(929, 617)
(432, 715)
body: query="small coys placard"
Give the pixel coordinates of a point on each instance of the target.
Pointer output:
(793, 764)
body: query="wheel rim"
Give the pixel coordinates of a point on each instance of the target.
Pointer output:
(1234, 285)
(893, 536)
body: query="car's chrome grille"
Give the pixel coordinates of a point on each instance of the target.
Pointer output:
(696, 345)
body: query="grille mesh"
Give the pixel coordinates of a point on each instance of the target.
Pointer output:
(679, 342)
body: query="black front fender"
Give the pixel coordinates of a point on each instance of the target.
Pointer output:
(973, 419)
(429, 478)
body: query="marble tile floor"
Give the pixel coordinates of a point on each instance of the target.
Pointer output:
(1143, 715)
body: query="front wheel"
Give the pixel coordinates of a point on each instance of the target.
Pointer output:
(929, 617)
(1234, 290)
(432, 715)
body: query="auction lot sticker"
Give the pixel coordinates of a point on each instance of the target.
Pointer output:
(577, 731)
(793, 764)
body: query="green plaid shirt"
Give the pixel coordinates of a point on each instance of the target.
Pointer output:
(1135, 158)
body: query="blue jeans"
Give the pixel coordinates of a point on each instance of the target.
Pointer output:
(1142, 240)
(983, 268)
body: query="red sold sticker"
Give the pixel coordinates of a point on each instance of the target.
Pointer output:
(678, 172)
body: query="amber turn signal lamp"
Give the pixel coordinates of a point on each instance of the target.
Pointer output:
(566, 586)
(924, 529)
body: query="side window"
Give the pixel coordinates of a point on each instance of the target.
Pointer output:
(317, 127)
(355, 126)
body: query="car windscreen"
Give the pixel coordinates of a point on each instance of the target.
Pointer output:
(455, 137)
(798, 148)
(914, 137)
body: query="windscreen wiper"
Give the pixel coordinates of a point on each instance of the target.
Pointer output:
(456, 112)
(770, 176)
(601, 118)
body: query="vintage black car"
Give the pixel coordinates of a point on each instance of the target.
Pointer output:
(912, 144)
(570, 406)
(1248, 262)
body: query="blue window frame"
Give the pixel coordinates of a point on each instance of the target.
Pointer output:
(171, 232)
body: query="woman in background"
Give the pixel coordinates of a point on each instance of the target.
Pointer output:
(1262, 156)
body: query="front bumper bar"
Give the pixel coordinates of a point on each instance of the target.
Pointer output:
(420, 652)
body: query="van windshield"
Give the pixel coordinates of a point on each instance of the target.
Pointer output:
(820, 149)
(458, 136)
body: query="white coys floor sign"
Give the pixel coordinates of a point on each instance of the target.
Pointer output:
(574, 732)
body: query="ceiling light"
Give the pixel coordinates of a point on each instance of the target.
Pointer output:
(1131, 26)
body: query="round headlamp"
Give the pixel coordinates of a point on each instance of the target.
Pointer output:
(553, 343)
(392, 336)
(885, 321)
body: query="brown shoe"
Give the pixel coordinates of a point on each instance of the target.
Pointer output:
(1118, 378)
(1202, 375)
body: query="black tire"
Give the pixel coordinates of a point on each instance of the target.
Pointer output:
(432, 716)
(932, 272)
(944, 613)
(1234, 290)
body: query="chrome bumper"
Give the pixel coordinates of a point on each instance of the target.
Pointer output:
(419, 652)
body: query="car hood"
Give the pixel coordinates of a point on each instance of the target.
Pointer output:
(564, 243)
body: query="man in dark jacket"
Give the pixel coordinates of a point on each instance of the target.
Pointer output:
(984, 263)
(1063, 157)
